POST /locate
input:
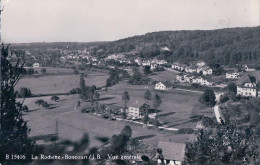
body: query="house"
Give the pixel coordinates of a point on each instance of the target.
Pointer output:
(232, 75)
(247, 69)
(178, 66)
(36, 65)
(173, 153)
(205, 70)
(247, 89)
(184, 78)
(201, 63)
(136, 109)
(154, 66)
(191, 69)
(138, 61)
(201, 81)
(163, 86)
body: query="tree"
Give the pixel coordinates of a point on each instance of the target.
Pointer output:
(157, 101)
(82, 87)
(13, 129)
(96, 98)
(228, 145)
(147, 70)
(24, 92)
(232, 87)
(208, 97)
(127, 131)
(43, 70)
(147, 95)
(125, 99)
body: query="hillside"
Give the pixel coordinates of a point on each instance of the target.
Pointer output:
(224, 46)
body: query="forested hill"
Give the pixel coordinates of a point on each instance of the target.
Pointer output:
(224, 46)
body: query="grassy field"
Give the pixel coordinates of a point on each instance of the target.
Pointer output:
(73, 124)
(164, 76)
(175, 111)
(56, 83)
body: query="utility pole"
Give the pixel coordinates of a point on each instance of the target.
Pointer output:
(56, 128)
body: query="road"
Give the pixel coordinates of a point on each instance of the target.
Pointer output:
(217, 110)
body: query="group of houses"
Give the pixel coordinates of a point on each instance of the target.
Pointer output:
(199, 68)
(185, 78)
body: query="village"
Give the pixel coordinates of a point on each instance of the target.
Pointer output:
(175, 83)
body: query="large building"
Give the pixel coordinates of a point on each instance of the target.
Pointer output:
(248, 89)
(135, 109)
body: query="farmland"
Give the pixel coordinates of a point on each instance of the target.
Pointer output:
(175, 111)
(58, 83)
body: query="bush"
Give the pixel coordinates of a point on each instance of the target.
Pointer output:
(30, 71)
(55, 98)
(45, 104)
(43, 70)
(185, 131)
(207, 121)
(224, 98)
(42, 103)
(39, 102)
(76, 72)
(24, 92)
(25, 108)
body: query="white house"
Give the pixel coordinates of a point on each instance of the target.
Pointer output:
(191, 69)
(201, 81)
(173, 153)
(178, 66)
(247, 89)
(136, 110)
(184, 78)
(247, 69)
(205, 70)
(36, 65)
(232, 75)
(154, 66)
(163, 86)
(201, 63)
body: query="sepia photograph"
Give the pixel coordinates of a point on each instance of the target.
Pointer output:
(130, 82)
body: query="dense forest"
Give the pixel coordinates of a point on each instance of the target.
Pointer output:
(225, 46)
(230, 47)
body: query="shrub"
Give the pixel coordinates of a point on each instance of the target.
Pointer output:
(185, 131)
(39, 102)
(24, 92)
(30, 71)
(43, 70)
(45, 104)
(207, 121)
(55, 98)
(224, 98)
(76, 72)
(25, 108)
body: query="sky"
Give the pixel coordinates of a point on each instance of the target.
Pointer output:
(107, 20)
